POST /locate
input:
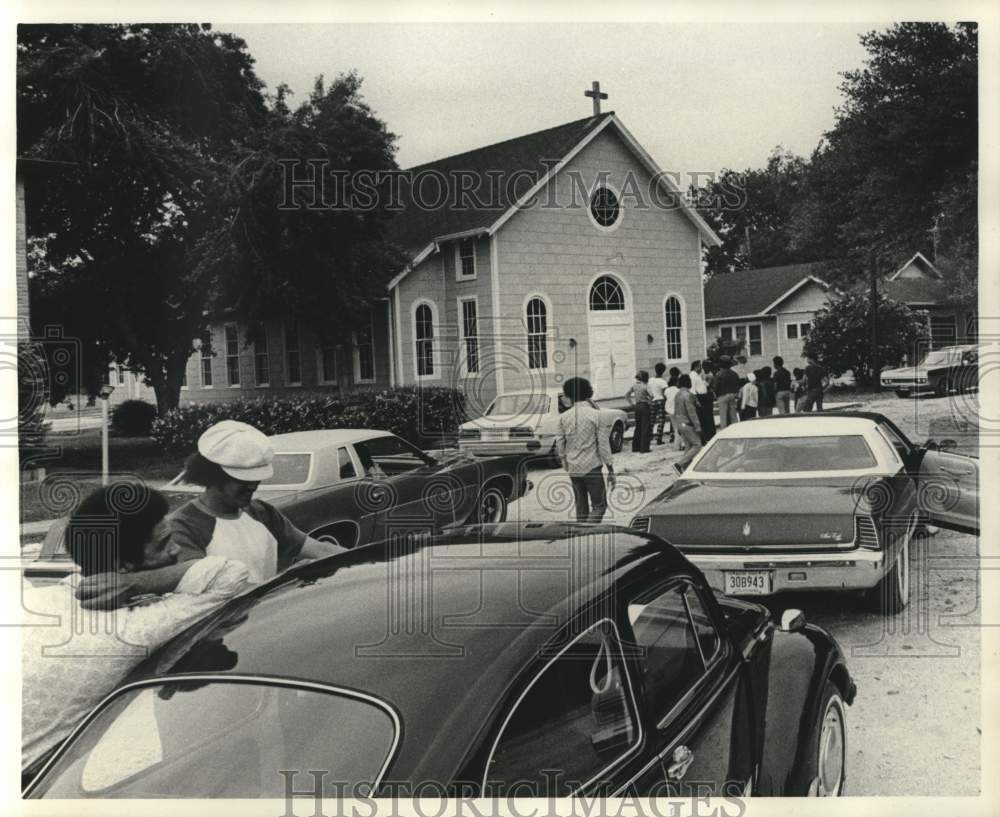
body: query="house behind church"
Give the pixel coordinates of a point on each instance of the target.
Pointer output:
(569, 253)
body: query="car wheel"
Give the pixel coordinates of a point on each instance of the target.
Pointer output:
(491, 507)
(617, 438)
(343, 534)
(892, 594)
(827, 768)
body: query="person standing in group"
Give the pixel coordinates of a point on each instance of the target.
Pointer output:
(798, 389)
(816, 382)
(726, 385)
(704, 398)
(748, 397)
(657, 385)
(782, 386)
(641, 399)
(766, 394)
(669, 397)
(584, 449)
(688, 422)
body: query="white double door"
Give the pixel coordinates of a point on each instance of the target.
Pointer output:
(612, 355)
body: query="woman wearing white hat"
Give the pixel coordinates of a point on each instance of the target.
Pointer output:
(225, 520)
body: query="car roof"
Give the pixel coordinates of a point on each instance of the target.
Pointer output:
(493, 596)
(321, 438)
(803, 424)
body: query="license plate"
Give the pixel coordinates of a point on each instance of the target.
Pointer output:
(494, 435)
(747, 582)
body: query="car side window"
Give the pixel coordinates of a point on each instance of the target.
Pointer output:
(578, 716)
(347, 469)
(678, 642)
(901, 448)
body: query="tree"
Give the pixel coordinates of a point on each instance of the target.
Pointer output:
(840, 335)
(751, 211)
(316, 251)
(149, 115)
(957, 254)
(907, 132)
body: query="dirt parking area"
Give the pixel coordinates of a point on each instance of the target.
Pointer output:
(915, 726)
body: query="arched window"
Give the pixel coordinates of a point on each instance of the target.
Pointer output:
(538, 326)
(673, 328)
(606, 295)
(424, 329)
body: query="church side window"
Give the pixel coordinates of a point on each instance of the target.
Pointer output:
(232, 355)
(364, 355)
(206, 361)
(425, 340)
(293, 355)
(470, 334)
(261, 359)
(538, 353)
(673, 327)
(606, 295)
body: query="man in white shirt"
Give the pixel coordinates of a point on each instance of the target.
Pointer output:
(658, 386)
(70, 665)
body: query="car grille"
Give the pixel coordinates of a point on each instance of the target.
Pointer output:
(640, 523)
(865, 535)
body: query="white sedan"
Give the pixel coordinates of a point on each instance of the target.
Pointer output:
(526, 423)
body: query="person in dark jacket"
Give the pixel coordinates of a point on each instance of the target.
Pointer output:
(726, 385)
(782, 386)
(766, 392)
(641, 398)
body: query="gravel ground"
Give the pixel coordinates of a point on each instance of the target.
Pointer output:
(915, 726)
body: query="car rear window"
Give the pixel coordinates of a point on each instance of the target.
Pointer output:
(736, 455)
(213, 738)
(290, 469)
(521, 404)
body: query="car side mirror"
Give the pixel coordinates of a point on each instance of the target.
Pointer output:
(948, 445)
(931, 445)
(792, 620)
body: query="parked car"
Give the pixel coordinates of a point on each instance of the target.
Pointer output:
(938, 372)
(354, 486)
(526, 423)
(813, 502)
(595, 660)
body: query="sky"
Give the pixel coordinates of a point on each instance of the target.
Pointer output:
(698, 97)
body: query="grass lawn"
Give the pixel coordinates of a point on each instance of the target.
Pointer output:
(76, 470)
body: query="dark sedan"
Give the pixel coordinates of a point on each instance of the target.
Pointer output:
(507, 660)
(814, 501)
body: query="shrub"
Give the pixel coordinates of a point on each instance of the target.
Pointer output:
(133, 418)
(420, 415)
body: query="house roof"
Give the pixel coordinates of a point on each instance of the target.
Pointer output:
(754, 292)
(914, 291)
(920, 260)
(502, 176)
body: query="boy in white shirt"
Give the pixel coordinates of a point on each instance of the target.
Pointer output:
(658, 386)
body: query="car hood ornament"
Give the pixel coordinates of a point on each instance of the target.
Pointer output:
(746, 528)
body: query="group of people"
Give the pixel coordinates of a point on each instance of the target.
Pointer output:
(146, 575)
(684, 402)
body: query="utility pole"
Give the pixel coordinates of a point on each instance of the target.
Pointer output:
(876, 363)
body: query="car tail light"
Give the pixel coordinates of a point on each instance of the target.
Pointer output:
(468, 434)
(522, 431)
(640, 523)
(865, 533)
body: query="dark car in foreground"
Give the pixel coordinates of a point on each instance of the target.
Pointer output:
(521, 659)
(938, 372)
(814, 501)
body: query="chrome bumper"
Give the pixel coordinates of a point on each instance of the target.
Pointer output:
(846, 570)
(494, 448)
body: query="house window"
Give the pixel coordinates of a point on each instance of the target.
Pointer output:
(749, 333)
(606, 295)
(293, 355)
(120, 372)
(796, 331)
(424, 326)
(364, 356)
(470, 334)
(205, 357)
(467, 258)
(232, 355)
(261, 361)
(538, 327)
(327, 363)
(673, 323)
(604, 208)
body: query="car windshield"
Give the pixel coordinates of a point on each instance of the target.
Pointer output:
(939, 357)
(289, 469)
(521, 404)
(736, 455)
(214, 738)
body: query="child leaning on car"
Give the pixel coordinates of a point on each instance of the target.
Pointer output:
(585, 450)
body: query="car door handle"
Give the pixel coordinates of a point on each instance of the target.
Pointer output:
(680, 759)
(961, 473)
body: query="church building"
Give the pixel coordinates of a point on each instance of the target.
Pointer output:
(565, 252)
